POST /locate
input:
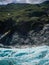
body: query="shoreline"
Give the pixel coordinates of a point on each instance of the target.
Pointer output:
(21, 46)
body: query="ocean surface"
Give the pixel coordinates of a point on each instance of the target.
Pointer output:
(27, 56)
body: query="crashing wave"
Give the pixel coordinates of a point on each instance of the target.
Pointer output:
(28, 56)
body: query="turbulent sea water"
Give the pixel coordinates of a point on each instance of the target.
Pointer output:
(27, 56)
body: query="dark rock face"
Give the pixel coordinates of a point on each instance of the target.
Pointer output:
(33, 37)
(6, 25)
(26, 33)
(37, 26)
(24, 27)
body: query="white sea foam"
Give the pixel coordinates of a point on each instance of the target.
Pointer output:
(26, 56)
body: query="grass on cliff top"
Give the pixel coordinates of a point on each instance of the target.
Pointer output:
(24, 12)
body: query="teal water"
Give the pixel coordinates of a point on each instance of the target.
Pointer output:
(27, 56)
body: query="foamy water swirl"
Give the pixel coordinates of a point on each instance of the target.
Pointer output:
(29, 56)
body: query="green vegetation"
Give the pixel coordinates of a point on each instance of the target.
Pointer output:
(24, 13)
